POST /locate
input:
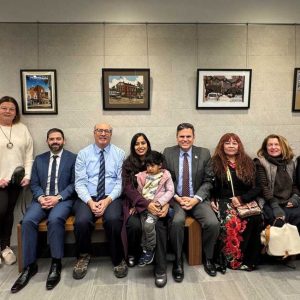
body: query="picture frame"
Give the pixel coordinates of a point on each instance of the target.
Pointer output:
(223, 88)
(126, 89)
(39, 92)
(296, 91)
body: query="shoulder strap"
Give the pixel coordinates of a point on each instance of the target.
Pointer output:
(229, 178)
(268, 233)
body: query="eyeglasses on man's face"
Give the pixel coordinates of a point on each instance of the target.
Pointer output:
(102, 131)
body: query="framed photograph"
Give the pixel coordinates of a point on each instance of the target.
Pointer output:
(296, 91)
(39, 94)
(126, 89)
(223, 88)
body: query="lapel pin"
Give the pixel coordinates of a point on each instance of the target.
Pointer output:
(196, 156)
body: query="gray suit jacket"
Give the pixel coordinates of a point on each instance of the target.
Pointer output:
(202, 173)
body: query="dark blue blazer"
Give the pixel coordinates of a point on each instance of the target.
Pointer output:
(66, 175)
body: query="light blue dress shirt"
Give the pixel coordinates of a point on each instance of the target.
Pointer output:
(87, 171)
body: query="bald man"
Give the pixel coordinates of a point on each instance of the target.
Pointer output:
(98, 184)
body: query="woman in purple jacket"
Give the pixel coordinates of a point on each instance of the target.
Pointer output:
(132, 231)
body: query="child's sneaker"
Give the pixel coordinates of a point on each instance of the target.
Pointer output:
(146, 258)
(141, 262)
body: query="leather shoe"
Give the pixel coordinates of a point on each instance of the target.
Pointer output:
(160, 280)
(24, 277)
(221, 269)
(53, 276)
(177, 272)
(222, 264)
(131, 261)
(210, 267)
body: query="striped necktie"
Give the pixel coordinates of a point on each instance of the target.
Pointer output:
(101, 178)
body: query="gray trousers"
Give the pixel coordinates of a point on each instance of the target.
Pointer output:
(203, 213)
(148, 222)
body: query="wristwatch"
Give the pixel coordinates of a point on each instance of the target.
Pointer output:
(60, 198)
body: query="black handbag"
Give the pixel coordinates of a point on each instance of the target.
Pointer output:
(17, 176)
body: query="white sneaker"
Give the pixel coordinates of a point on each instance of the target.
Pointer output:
(8, 256)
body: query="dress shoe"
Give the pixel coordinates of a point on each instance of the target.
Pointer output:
(24, 277)
(247, 268)
(222, 264)
(177, 272)
(53, 276)
(290, 262)
(131, 261)
(210, 267)
(160, 280)
(221, 269)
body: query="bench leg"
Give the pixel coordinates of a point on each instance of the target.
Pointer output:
(194, 244)
(20, 256)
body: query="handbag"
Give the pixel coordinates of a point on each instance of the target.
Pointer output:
(17, 176)
(281, 241)
(247, 209)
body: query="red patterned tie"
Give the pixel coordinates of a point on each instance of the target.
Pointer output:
(185, 176)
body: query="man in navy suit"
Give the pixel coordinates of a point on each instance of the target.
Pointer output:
(52, 186)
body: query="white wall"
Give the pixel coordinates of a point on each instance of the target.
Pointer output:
(173, 53)
(154, 11)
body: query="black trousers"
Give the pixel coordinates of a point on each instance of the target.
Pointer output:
(134, 235)
(8, 200)
(112, 223)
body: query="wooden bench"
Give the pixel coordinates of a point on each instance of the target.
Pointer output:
(194, 250)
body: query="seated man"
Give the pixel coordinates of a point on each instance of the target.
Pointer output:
(52, 186)
(98, 184)
(193, 176)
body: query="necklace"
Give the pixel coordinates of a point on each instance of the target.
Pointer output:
(9, 145)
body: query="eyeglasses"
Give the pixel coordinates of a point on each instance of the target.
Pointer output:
(101, 131)
(7, 108)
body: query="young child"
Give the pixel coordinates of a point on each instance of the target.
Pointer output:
(155, 184)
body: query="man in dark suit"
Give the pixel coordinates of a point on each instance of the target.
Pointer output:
(192, 174)
(52, 186)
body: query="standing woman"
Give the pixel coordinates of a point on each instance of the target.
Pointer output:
(276, 173)
(16, 150)
(235, 185)
(134, 204)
